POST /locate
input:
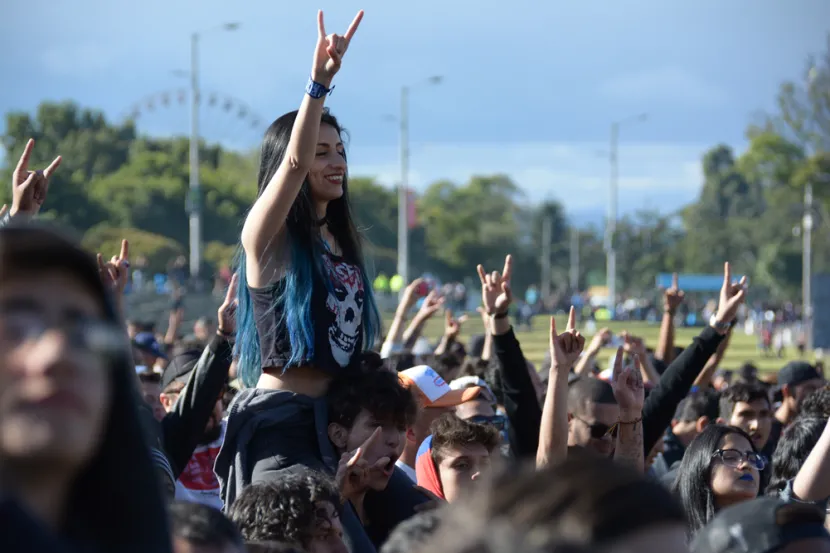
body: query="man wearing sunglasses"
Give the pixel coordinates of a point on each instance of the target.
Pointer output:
(592, 415)
(482, 408)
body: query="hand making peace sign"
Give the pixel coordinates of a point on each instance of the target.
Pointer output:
(29, 188)
(330, 49)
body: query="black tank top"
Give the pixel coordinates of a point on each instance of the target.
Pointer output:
(337, 318)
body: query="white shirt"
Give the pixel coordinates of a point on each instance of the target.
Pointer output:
(407, 470)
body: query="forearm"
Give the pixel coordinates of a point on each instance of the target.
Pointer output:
(705, 376)
(648, 371)
(268, 214)
(553, 431)
(444, 345)
(585, 362)
(665, 344)
(413, 331)
(630, 440)
(812, 483)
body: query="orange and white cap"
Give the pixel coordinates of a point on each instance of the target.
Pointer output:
(433, 391)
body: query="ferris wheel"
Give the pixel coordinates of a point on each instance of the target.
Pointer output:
(223, 119)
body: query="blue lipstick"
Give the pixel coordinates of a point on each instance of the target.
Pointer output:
(747, 477)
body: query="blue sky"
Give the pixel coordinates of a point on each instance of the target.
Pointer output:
(530, 88)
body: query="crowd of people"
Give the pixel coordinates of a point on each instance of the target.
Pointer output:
(296, 422)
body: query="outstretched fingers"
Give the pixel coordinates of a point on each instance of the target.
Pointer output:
(321, 25)
(23, 163)
(353, 27)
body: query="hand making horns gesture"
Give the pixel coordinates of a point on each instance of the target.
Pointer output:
(330, 49)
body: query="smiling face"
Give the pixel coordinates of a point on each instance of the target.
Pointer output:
(729, 484)
(329, 168)
(54, 390)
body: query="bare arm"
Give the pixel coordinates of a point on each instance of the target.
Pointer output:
(672, 299)
(553, 431)
(812, 483)
(630, 394)
(705, 376)
(394, 337)
(586, 362)
(262, 236)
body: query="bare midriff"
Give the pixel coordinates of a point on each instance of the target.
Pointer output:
(306, 380)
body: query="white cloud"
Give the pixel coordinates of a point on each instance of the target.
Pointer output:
(663, 176)
(664, 84)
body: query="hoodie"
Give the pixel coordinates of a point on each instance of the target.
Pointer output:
(115, 503)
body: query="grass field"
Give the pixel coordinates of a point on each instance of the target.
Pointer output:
(742, 348)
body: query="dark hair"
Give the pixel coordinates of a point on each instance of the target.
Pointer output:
(379, 392)
(585, 499)
(103, 506)
(817, 404)
(693, 477)
(203, 525)
(306, 250)
(270, 547)
(283, 510)
(796, 442)
(589, 389)
(740, 392)
(449, 431)
(694, 407)
(411, 534)
(150, 377)
(399, 361)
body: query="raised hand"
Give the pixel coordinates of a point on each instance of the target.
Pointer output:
(353, 471)
(432, 303)
(3, 210)
(116, 272)
(628, 386)
(29, 188)
(673, 296)
(227, 311)
(330, 49)
(565, 348)
(600, 339)
(495, 288)
(732, 295)
(452, 326)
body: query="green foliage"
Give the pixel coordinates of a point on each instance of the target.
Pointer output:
(157, 250)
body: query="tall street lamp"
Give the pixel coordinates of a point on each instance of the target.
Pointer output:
(403, 188)
(194, 202)
(611, 225)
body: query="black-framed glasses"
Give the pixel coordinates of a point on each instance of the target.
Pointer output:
(733, 458)
(598, 430)
(499, 421)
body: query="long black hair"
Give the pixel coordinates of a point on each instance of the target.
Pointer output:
(306, 249)
(693, 483)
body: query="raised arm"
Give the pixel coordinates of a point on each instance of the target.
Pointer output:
(262, 234)
(672, 299)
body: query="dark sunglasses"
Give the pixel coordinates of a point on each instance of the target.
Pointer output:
(499, 421)
(599, 430)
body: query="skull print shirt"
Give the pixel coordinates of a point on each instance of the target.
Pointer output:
(337, 316)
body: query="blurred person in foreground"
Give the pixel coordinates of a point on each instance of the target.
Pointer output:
(585, 500)
(765, 525)
(198, 528)
(74, 467)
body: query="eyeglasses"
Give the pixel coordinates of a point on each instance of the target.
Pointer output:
(19, 326)
(733, 458)
(598, 430)
(499, 421)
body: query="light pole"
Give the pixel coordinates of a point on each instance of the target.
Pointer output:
(194, 203)
(403, 188)
(807, 249)
(611, 225)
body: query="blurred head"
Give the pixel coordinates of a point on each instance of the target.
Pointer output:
(411, 534)
(204, 329)
(747, 406)
(360, 402)
(55, 377)
(461, 453)
(593, 411)
(721, 467)
(587, 500)
(173, 381)
(796, 443)
(817, 404)
(198, 528)
(151, 392)
(300, 508)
